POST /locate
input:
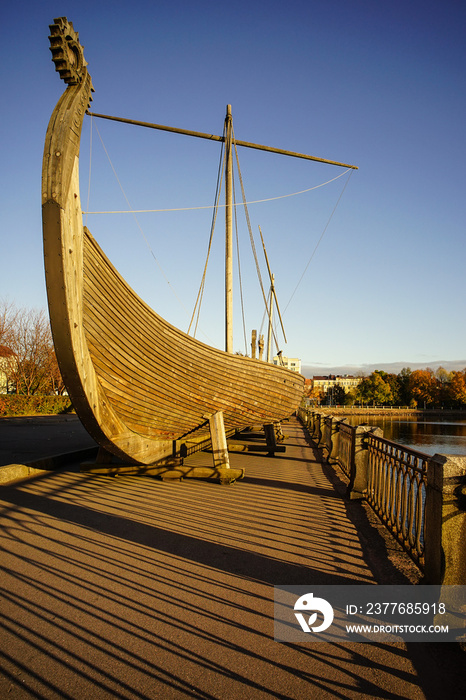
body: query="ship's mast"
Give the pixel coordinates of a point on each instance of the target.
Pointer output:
(228, 233)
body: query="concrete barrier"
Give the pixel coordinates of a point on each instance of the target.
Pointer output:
(13, 472)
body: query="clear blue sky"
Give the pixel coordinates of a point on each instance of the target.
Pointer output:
(378, 84)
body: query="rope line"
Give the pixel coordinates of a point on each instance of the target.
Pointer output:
(251, 236)
(320, 240)
(215, 207)
(133, 212)
(200, 293)
(240, 279)
(211, 206)
(90, 169)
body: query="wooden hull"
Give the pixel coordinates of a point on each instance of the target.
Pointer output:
(139, 385)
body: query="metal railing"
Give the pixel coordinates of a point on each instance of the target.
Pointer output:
(346, 447)
(421, 499)
(396, 490)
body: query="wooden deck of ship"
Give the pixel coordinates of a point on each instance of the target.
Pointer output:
(130, 587)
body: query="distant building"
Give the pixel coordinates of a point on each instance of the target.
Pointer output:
(6, 358)
(347, 382)
(292, 363)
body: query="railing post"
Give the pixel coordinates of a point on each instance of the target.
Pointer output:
(316, 431)
(314, 425)
(336, 440)
(335, 456)
(445, 521)
(308, 420)
(359, 468)
(331, 438)
(305, 416)
(327, 436)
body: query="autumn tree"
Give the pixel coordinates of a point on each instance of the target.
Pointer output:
(316, 395)
(53, 381)
(457, 388)
(424, 387)
(34, 369)
(443, 378)
(8, 315)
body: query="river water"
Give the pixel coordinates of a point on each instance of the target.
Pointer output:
(428, 435)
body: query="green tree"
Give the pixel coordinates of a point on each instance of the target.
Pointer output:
(394, 384)
(351, 397)
(374, 389)
(335, 396)
(404, 378)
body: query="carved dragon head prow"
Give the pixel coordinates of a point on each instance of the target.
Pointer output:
(67, 52)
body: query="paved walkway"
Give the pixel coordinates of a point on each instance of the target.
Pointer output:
(130, 587)
(28, 438)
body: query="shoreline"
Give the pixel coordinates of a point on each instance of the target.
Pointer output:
(388, 411)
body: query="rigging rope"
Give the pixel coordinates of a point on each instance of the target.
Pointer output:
(90, 168)
(320, 240)
(210, 206)
(136, 220)
(251, 237)
(215, 208)
(200, 293)
(266, 316)
(239, 274)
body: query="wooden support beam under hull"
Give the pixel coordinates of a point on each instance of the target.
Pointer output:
(168, 472)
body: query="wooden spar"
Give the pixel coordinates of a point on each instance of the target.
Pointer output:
(269, 336)
(212, 137)
(253, 344)
(273, 287)
(261, 346)
(228, 233)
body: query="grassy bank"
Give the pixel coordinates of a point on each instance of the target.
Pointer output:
(13, 405)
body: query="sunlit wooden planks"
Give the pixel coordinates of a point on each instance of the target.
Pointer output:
(171, 380)
(137, 383)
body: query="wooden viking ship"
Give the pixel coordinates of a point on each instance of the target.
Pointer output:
(141, 387)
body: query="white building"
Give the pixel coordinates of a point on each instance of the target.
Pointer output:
(347, 382)
(292, 363)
